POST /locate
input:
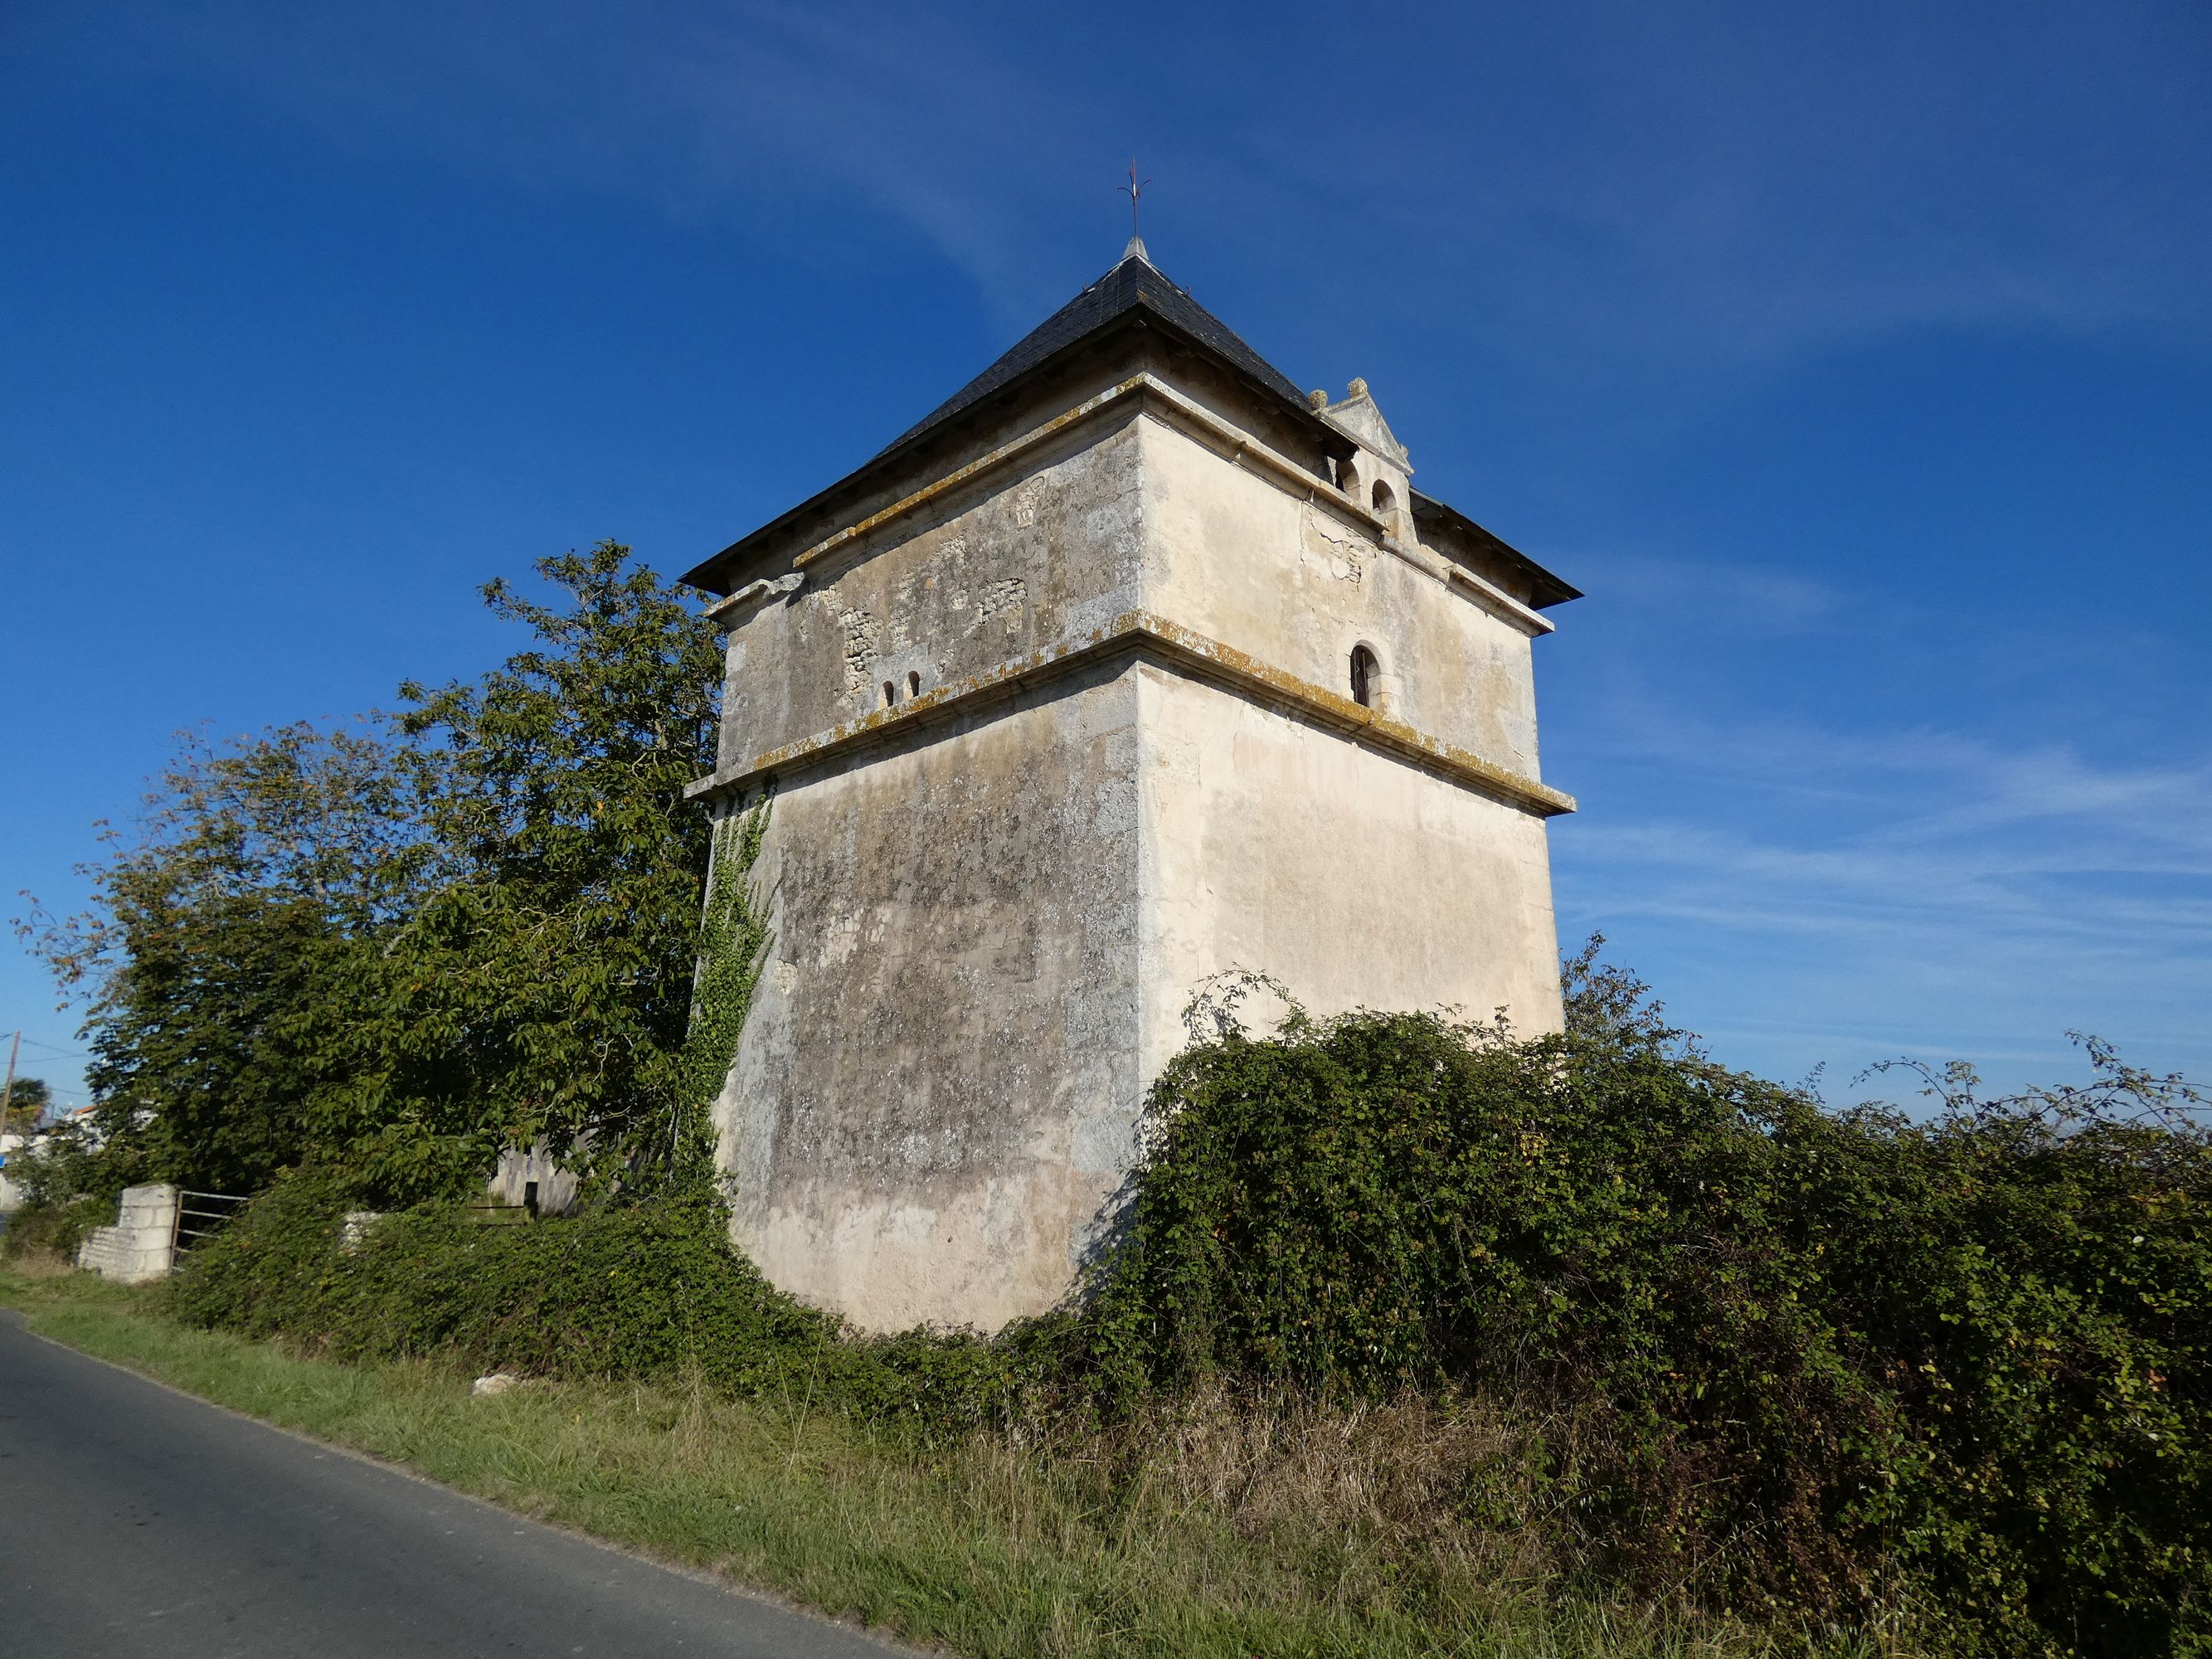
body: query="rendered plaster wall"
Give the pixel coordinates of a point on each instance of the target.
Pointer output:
(1234, 556)
(1033, 556)
(1355, 878)
(11, 1150)
(936, 1091)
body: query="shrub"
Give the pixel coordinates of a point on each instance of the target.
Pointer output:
(1815, 1361)
(71, 1181)
(647, 1291)
(53, 1228)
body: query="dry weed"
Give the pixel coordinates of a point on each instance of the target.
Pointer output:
(1452, 1482)
(39, 1262)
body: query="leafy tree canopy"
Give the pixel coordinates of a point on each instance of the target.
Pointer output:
(28, 1100)
(407, 942)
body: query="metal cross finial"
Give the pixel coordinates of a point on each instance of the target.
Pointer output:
(1134, 191)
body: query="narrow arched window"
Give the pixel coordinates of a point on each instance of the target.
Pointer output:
(913, 685)
(1383, 499)
(1365, 672)
(891, 693)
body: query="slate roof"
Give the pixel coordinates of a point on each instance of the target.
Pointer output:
(1544, 588)
(1134, 284)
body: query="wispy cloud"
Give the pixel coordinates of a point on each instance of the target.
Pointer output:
(1729, 185)
(1850, 891)
(1765, 600)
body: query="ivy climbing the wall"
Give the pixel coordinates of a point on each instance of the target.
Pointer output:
(733, 941)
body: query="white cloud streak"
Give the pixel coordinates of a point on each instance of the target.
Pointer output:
(1712, 186)
(1830, 887)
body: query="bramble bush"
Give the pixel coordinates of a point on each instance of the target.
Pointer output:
(1826, 1362)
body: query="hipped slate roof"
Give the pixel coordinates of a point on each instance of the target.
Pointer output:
(1135, 287)
(1134, 284)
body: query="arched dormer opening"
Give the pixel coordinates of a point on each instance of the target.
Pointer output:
(1383, 499)
(890, 692)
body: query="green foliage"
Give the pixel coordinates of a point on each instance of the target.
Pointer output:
(407, 947)
(220, 951)
(28, 1101)
(648, 1290)
(540, 988)
(733, 941)
(1796, 1359)
(54, 1225)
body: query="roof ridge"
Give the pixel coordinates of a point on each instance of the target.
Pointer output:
(1120, 288)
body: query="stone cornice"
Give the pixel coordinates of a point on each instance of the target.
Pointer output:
(1143, 633)
(1144, 390)
(1149, 391)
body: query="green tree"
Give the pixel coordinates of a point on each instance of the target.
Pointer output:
(28, 1101)
(540, 986)
(404, 946)
(220, 937)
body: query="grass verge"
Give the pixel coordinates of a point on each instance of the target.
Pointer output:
(1192, 1543)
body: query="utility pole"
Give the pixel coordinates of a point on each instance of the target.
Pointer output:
(9, 1093)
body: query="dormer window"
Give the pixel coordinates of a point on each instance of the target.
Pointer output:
(1366, 674)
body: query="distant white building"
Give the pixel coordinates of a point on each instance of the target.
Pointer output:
(11, 1147)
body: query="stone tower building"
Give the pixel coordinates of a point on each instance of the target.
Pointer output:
(1129, 664)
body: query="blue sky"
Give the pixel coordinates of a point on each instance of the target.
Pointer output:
(1856, 361)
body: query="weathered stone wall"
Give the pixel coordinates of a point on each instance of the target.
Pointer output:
(1028, 557)
(142, 1245)
(937, 1084)
(527, 1176)
(1233, 553)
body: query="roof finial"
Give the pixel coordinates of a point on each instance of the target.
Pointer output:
(1134, 191)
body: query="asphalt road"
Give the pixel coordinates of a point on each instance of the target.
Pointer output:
(134, 1520)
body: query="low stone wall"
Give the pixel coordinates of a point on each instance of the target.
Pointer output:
(140, 1246)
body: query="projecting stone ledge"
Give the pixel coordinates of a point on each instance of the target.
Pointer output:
(1178, 647)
